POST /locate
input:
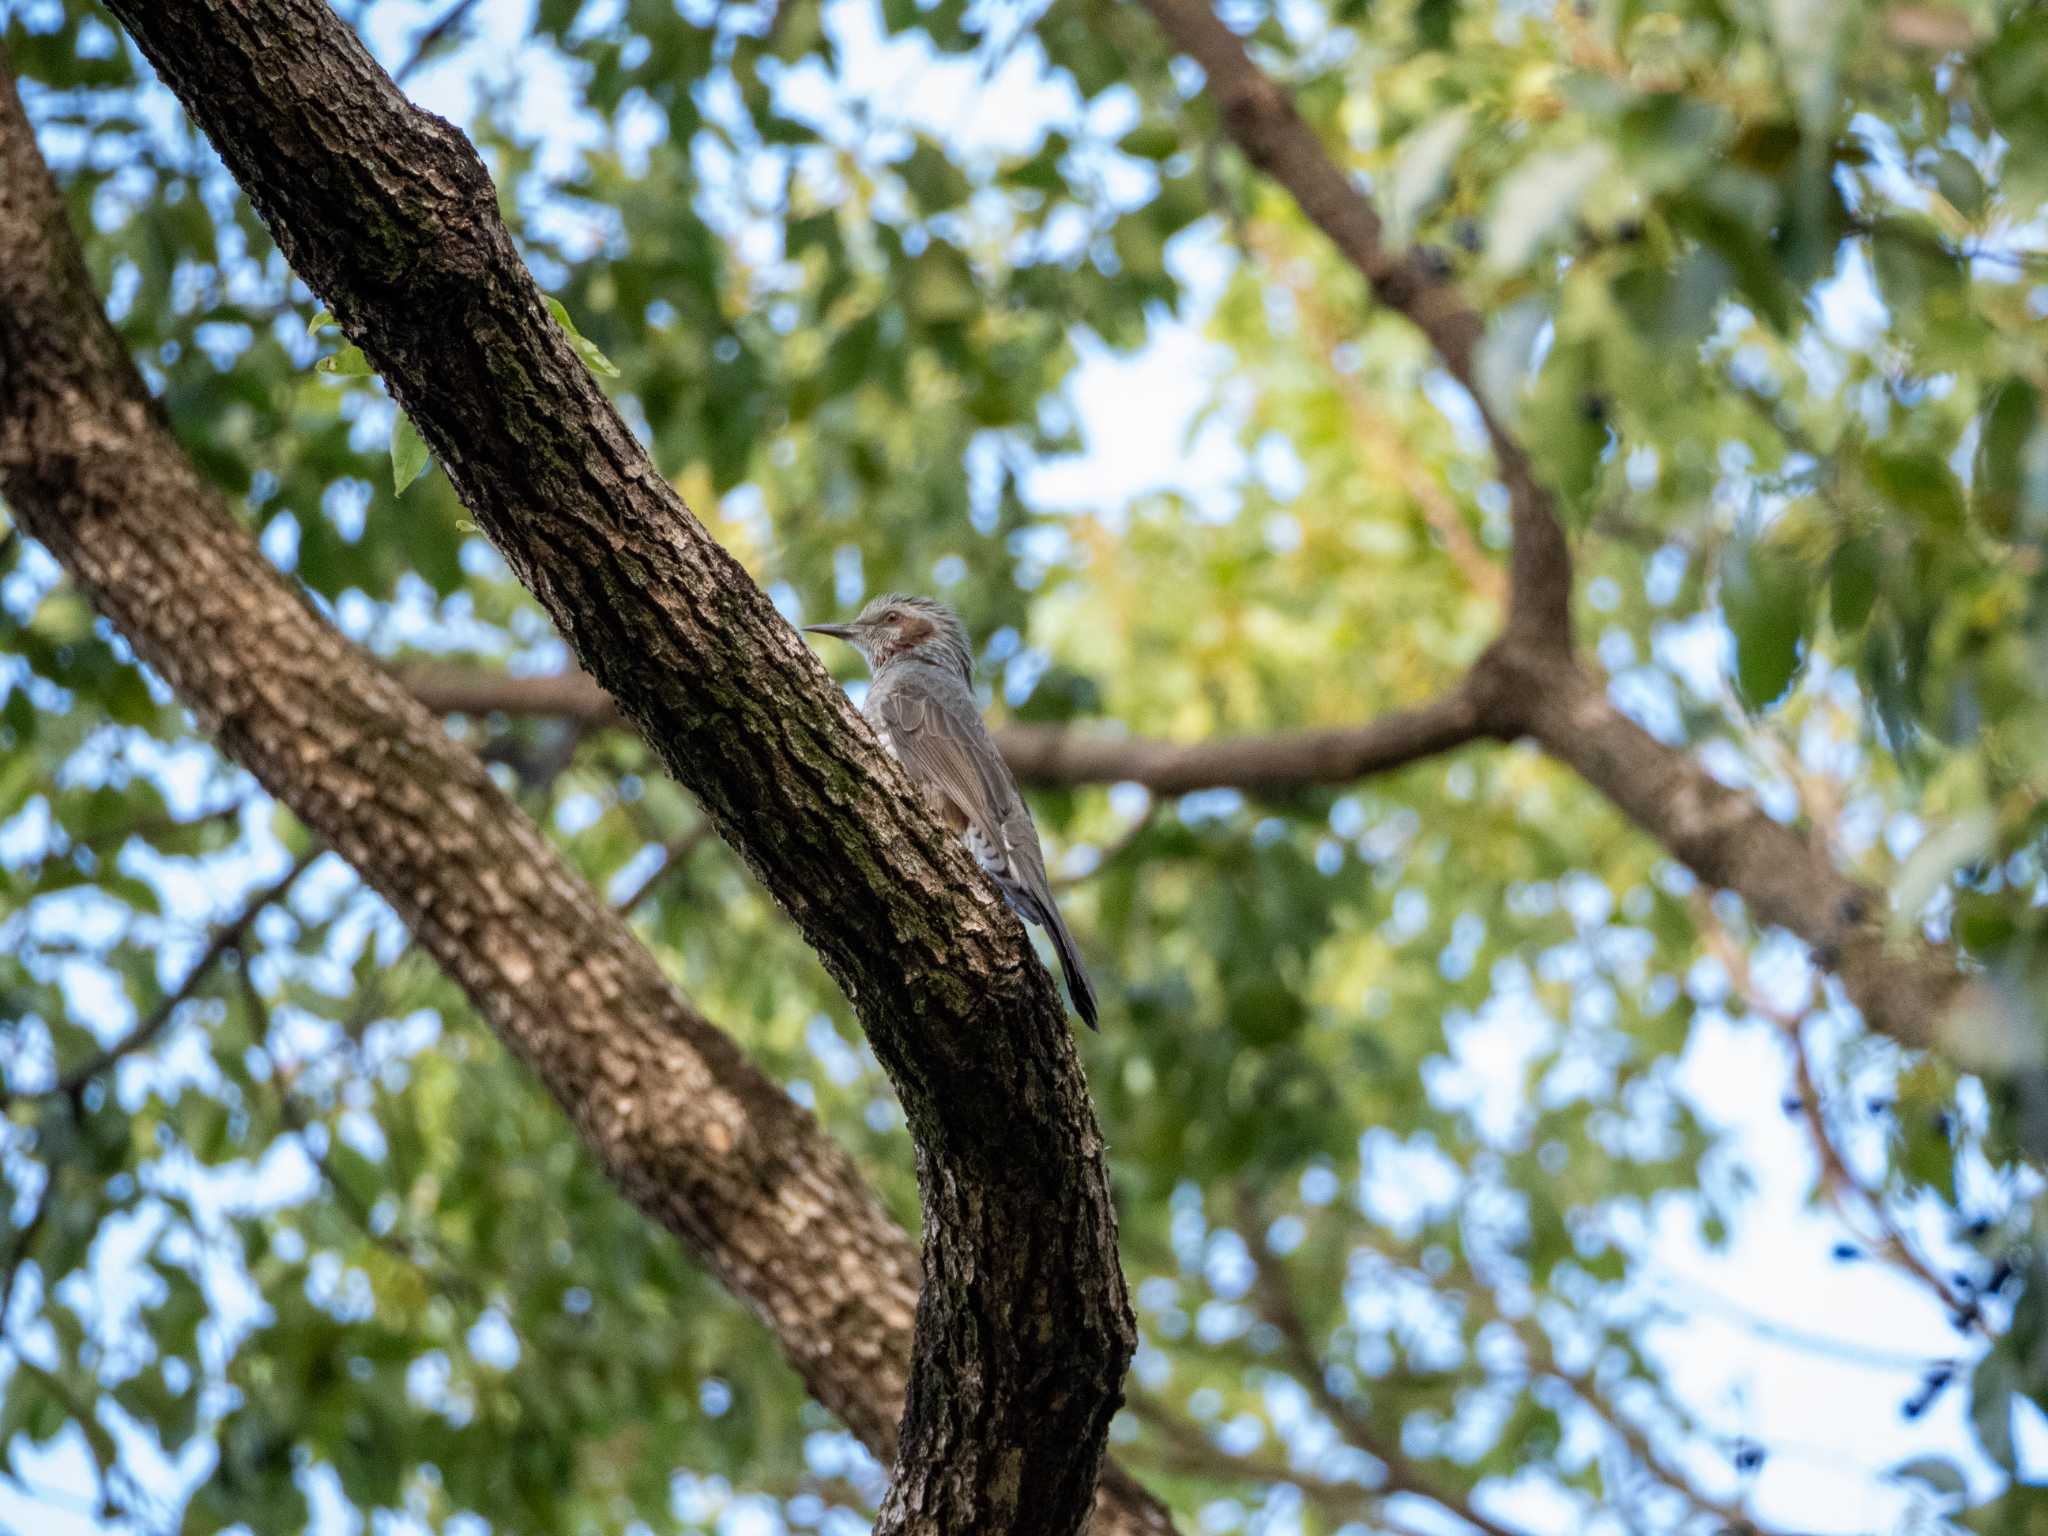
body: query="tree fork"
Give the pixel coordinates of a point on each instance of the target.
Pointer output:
(1023, 1329)
(1531, 682)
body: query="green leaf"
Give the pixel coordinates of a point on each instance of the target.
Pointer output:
(1852, 582)
(1422, 170)
(1938, 856)
(1991, 1391)
(593, 359)
(1938, 1473)
(1434, 20)
(2022, 1510)
(941, 287)
(1266, 1012)
(1151, 140)
(2012, 74)
(1919, 482)
(2010, 425)
(818, 231)
(935, 182)
(1927, 1156)
(1959, 181)
(321, 319)
(1732, 214)
(1041, 171)
(1985, 923)
(1765, 597)
(1914, 271)
(1540, 199)
(1665, 137)
(348, 362)
(408, 451)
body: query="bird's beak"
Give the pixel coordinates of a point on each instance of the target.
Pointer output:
(836, 631)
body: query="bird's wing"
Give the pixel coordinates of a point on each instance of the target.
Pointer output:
(938, 737)
(943, 745)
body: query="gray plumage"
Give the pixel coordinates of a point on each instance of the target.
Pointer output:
(921, 704)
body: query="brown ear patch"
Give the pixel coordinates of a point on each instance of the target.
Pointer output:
(916, 630)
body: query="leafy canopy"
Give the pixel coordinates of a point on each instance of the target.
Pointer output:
(1403, 1080)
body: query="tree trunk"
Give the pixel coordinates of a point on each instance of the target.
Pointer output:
(1023, 1331)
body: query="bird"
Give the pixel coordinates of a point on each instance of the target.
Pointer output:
(921, 705)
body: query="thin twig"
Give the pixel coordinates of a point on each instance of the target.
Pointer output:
(1129, 839)
(1838, 1180)
(1278, 1309)
(227, 937)
(23, 1242)
(432, 35)
(1273, 1298)
(1698, 1299)
(673, 857)
(1586, 1386)
(1187, 1450)
(291, 1108)
(1385, 445)
(1054, 754)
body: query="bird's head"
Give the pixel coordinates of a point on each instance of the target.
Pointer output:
(895, 628)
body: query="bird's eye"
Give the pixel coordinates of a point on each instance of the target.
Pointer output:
(894, 616)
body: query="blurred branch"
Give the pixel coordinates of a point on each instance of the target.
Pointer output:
(1385, 447)
(24, 1241)
(127, 1510)
(674, 855)
(1049, 755)
(432, 36)
(538, 764)
(228, 936)
(1262, 118)
(1594, 1396)
(1274, 1301)
(1846, 1190)
(1531, 682)
(1617, 523)
(1188, 1451)
(109, 1508)
(1273, 1298)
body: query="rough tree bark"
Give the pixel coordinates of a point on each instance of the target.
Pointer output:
(1532, 681)
(1022, 1328)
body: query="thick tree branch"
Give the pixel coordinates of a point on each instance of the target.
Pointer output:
(1904, 986)
(1045, 756)
(1530, 682)
(388, 214)
(683, 1122)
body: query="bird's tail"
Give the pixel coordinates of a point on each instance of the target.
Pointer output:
(1078, 986)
